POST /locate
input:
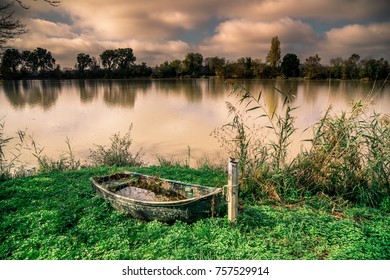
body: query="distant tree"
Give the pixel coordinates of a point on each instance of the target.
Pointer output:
(109, 59)
(312, 68)
(118, 59)
(290, 65)
(164, 70)
(260, 69)
(177, 66)
(124, 58)
(95, 63)
(273, 57)
(38, 61)
(336, 67)
(374, 69)
(44, 59)
(383, 69)
(351, 67)
(141, 70)
(10, 62)
(27, 62)
(84, 61)
(192, 64)
(247, 67)
(216, 65)
(234, 69)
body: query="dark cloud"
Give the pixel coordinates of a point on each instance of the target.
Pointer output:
(160, 30)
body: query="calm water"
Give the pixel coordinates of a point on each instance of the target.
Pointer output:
(168, 116)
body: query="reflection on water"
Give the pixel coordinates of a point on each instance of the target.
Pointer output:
(42, 94)
(168, 115)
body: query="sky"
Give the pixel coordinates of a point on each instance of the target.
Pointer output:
(164, 30)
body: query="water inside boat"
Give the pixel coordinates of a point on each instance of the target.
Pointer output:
(146, 195)
(148, 189)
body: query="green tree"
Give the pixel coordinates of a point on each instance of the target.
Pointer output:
(290, 65)
(351, 68)
(336, 67)
(216, 65)
(247, 67)
(234, 69)
(164, 70)
(374, 69)
(141, 70)
(312, 68)
(192, 64)
(273, 57)
(177, 66)
(383, 70)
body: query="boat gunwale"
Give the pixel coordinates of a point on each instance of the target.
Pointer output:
(181, 202)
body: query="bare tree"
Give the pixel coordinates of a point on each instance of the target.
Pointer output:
(11, 27)
(23, 4)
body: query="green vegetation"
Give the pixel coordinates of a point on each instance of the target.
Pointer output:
(57, 215)
(349, 156)
(118, 154)
(120, 63)
(332, 201)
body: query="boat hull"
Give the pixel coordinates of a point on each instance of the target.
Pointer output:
(191, 202)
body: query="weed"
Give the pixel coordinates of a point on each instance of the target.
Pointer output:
(118, 154)
(65, 162)
(4, 165)
(167, 162)
(12, 166)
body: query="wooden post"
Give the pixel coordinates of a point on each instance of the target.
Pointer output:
(232, 190)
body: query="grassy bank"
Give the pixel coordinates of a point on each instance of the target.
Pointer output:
(57, 215)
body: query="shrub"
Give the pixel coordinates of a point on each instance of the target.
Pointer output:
(118, 154)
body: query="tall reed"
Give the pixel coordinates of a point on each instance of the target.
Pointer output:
(349, 156)
(65, 162)
(11, 166)
(262, 148)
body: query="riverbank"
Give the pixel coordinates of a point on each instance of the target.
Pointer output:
(57, 215)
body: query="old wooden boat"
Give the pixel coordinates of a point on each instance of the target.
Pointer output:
(152, 198)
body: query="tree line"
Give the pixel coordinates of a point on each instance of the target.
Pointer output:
(120, 63)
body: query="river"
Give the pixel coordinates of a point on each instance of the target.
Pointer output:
(171, 118)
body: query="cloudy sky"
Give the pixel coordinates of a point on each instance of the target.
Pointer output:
(160, 30)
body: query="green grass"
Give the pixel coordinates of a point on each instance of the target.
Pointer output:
(57, 215)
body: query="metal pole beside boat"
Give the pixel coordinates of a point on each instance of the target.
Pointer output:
(232, 190)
